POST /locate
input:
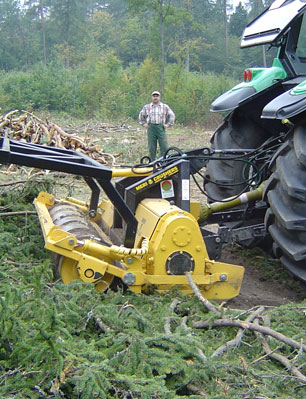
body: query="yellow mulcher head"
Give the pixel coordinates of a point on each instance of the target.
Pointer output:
(168, 244)
(145, 234)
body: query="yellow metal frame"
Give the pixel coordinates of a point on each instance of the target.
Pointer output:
(163, 230)
(129, 172)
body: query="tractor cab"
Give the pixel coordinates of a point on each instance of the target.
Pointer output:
(281, 25)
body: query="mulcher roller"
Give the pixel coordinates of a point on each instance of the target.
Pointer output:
(71, 219)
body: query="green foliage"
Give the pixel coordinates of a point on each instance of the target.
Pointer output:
(94, 58)
(43, 87)
(21, 232)
(190, 94)
(50, 342)
(67, 30)
(52, 345)
(101, 87)
(238, 21)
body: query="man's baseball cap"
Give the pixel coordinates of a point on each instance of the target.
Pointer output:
(155, 92)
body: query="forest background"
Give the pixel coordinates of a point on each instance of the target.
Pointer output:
(101, 59)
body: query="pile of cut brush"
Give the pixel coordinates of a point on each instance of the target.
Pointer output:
(28, 128)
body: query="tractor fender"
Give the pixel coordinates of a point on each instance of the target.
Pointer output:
(285, 106)
(232, 99)
(257, 81)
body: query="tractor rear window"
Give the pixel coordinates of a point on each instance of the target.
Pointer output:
(301, 45)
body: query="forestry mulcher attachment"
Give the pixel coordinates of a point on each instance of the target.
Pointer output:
(145, 234)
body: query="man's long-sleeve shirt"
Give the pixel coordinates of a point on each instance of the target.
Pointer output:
(157, 114)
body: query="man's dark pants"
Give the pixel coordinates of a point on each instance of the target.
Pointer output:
(156, 133)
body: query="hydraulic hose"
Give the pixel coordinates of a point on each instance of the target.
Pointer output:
(131, 251)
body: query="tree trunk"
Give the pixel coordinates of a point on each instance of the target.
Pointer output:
(43, 31)
(162, 48)
(225, 30)
(187, 61)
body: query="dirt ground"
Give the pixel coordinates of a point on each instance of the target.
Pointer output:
(257, 290)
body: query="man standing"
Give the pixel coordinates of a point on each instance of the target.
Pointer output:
(156, 117)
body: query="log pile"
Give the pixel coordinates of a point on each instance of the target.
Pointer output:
(28, 128)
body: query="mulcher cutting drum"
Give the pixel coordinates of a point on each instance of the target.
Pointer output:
(71, 219)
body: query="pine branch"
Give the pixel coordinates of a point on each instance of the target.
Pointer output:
(185, 327)
(237, 340)
(167, 326)
(197, 292)
(9, 373)
(126, 305)
(3, 214)
(283, 360)
(278, 357)
(197, 391)
(253, 327)
(264, 356)
(202, 356)
(103, 327)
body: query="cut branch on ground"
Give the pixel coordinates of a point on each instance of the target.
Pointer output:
(206, 303)
(237, 340)
(253, 327)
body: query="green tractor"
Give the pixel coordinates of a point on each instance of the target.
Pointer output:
(266, 121)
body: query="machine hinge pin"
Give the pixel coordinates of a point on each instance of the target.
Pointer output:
(129, 278)
(92, 213)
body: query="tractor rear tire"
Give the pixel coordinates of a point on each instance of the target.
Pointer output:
(222, 177)
(286, 194)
